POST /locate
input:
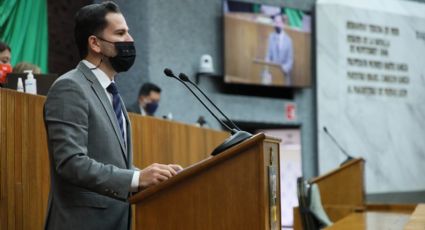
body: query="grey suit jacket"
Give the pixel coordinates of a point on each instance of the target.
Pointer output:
(90, 164)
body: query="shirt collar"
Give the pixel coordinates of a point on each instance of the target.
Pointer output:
(142, 110)
(100, 75)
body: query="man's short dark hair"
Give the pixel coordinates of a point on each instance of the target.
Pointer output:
(90, 20)
(4, 46)
(147, 88)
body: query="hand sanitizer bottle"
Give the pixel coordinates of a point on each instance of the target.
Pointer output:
(30, 83)
(20, 86)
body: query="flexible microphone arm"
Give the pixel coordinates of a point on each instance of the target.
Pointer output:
(237, 135)
(170, 73)
(339, 146)
(185, 78)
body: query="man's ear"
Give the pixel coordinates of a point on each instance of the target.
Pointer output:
(93, 44)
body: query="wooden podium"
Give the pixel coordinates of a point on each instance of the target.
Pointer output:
(342, 190)
(343, 198)
(237, 189)
(275, 70)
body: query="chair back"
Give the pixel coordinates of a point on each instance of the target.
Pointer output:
(308, 221)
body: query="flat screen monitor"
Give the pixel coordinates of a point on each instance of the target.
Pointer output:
(266, 45)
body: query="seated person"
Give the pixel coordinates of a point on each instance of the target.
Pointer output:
(5, 67)
(5, 53)
(147, 103)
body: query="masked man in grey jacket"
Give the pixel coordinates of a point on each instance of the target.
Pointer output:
(89, 132)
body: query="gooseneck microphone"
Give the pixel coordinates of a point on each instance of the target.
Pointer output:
(185, 78)
(170, 73)
(349, 158)
(237, 134)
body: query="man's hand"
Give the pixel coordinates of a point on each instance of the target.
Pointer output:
(156, 173)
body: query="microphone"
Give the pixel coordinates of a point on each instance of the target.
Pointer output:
(349, 158)
(237, 135)
(170, 73)
(185, 78)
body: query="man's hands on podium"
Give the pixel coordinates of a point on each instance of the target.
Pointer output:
(156, 173)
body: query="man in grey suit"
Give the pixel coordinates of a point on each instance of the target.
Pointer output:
(89, 132)
(280, 50)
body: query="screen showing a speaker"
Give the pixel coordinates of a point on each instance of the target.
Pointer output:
(266, 45)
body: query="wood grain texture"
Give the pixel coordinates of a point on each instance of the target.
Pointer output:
(342, 190)
(227, 191)
(417, 219)
(24, 161)
(342, 194)
(371, 220)
(400, 208)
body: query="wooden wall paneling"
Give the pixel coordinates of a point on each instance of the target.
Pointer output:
(19, 153)
(178, 151)
(3, 149)
(24, 158)
(136, 129)
(43, 156)
(10, 161)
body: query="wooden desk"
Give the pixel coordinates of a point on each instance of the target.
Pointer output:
(372, 220)
(417, 219)
(342, 189)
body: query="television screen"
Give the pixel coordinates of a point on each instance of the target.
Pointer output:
(266, 45)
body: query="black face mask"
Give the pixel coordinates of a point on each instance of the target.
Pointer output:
(151, 107)
(126, 54)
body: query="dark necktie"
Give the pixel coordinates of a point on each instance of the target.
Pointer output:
(116, 103)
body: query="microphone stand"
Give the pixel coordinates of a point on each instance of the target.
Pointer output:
(349, 158)
(237, 135)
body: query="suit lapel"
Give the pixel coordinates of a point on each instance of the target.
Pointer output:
(106, 104)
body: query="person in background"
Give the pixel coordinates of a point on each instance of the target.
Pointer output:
(89, 132)
(5, 53)
(147, 103)
(5, 66)
(22, 66)
(280, 50)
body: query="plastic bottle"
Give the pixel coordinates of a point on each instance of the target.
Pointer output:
(20, 86)
(30, 83)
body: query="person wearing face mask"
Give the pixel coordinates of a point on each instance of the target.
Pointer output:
(5, 53)
(5, 67)
(147, 103)
(89, 132)
(280, 48)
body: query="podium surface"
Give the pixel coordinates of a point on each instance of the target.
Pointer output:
(372, 220)
(236, 189)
